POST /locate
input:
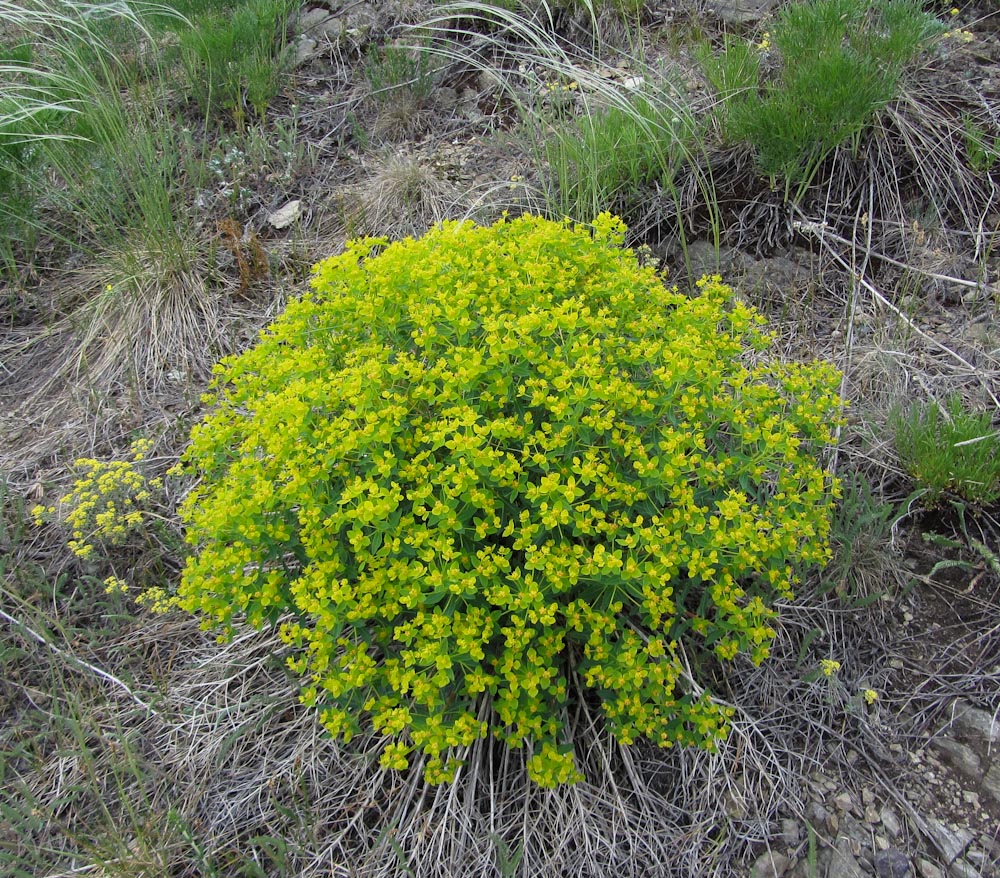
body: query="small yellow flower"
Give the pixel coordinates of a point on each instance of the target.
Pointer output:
(114, 585)
(954, 10)
(829, 667)
(870, 696)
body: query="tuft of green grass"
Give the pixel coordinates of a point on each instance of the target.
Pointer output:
(602, 160)
(949, 451)
(400, 81)
(981, 147)
(598, 142)
(840, 62)
(861, 538)
(235, 57)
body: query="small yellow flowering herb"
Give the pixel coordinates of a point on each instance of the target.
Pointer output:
(474, 468)
(870, 696)
(829, 667)
(108, 501)
(114, 585)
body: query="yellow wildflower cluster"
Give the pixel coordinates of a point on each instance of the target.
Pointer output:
(829, 667)
(472, 468)
(107, 502)
(960, 36)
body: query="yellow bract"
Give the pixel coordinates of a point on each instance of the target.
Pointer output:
(474, 468)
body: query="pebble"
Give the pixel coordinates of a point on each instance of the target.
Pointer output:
(892, 864)
(770, 864)
(959, 755)
(286, 215)
(791, 832)
(844, 864)
(927, 869)
(890, 821)
(844, 801)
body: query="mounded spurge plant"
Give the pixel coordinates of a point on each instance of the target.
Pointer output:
(479, 473)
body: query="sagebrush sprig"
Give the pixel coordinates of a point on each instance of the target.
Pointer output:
(480, 464)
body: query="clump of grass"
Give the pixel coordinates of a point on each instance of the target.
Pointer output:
(734, 72)
(405, 195)
(840, 62)
(861, 537)
(400, 81)
(235, 57)
(949, 450)
(599, 142)
(604, 158)
(981, 147)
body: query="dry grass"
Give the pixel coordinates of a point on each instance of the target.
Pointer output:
(233, 757)
(132, 331)
(403, 194)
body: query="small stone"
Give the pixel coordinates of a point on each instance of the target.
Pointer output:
(844, 801)
(890, 821)
(740, 11)
(871, 814)
(950, 842)
(816, 812)
(964, 869)
(843, 863)
(314, 18)
(791, 832)
(882, 843)
(892, 864)
(305, 48)
(285, 216)
(959, 756)
(991, 783)
(977, 723)
(867, 796)
(770, 864)
(856, 832)
(927, 869)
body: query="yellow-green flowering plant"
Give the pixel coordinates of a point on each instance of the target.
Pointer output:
(468, 470)
(108, 503)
